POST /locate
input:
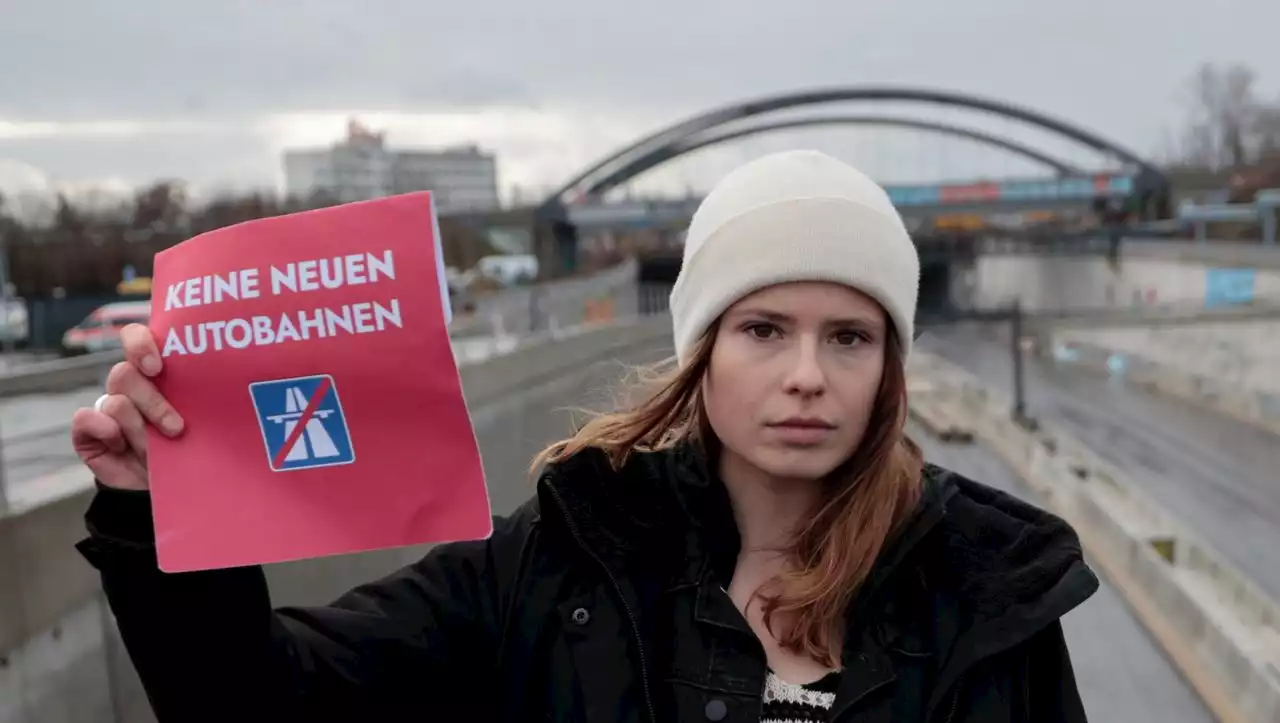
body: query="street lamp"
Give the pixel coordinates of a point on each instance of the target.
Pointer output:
(1019, 372)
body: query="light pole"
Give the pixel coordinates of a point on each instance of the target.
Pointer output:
(1019, 370)
(6, 342)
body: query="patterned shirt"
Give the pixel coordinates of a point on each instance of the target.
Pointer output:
(790, 703)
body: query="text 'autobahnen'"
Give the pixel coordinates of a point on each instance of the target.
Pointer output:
(300, 324)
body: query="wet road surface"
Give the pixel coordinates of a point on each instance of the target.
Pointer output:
(1220, 477)
(1122, 674)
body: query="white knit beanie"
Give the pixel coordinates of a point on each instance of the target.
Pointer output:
(794, 216)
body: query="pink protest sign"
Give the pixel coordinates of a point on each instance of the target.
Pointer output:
(310, 357)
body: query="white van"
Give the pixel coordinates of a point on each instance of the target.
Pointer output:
(100, 330)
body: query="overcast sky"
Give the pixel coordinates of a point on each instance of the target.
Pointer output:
(125, 92)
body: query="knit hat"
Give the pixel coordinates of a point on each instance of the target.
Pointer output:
(794, 216)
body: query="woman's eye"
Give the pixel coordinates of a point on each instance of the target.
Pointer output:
(849, 338)
(761, 331)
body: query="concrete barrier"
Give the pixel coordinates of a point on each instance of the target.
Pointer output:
(564, 302)
(1172, 314)
(1213, 252)
(1258, 407)
(59, 375)
(937, 412)
(518, 403)
(1221, 630)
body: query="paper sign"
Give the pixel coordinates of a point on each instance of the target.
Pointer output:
(309, 356)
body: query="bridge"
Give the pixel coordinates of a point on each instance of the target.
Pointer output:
(919, 204)
(1134, 191)
(1068, 364)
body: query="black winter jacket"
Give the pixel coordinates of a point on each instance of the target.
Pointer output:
(600, 601)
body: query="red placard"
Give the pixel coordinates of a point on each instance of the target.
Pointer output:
(309, 356)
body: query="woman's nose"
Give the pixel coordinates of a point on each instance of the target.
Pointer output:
(804, 374)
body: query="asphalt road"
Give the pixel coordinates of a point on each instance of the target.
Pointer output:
(1220, 477)
(1121, 673)
(35, 430)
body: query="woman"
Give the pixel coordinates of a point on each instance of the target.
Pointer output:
(757, 539)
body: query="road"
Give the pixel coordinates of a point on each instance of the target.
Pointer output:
(34, 430)
(1218, 476)
(12, 360)
(1122, 675)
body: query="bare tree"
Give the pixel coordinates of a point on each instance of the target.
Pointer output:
(1266, 130)
(1228, 126)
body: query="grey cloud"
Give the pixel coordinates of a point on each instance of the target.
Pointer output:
(162, 57)
(225, 159)
(1112, 66)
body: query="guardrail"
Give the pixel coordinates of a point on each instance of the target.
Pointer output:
(1220, 629)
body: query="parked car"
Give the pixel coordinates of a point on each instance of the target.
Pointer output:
(100, 330)
(14, 325)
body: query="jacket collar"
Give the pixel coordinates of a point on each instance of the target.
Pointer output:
(671, 504)
(1005, 568)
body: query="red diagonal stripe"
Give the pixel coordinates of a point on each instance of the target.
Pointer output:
(307, 414)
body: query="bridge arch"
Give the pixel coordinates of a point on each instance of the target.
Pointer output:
(725, 115)
(555, 236)
(662, 154)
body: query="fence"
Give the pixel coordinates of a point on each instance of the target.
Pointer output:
(48, 318)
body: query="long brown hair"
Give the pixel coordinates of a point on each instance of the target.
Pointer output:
(865, 500)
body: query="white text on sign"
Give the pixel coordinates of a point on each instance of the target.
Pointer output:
(277, 328)
(310, 275)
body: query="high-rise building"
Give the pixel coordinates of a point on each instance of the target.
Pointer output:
(361, 167)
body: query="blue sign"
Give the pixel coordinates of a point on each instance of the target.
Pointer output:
(129, 273)
(1117, 364)
(1121, 184)
(915, 195)
(302, 423)
(1227, 287)
(1055, 189)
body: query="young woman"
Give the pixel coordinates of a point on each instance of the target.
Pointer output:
(756, 540)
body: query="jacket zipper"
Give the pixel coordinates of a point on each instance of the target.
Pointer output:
(626, 607)
(955, 700)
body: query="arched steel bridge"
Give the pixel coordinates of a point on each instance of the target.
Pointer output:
(556, 237)
(679, 138)
(695, 142)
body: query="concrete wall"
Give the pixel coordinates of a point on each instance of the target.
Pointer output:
(1227, 362)
(63, 662)
(1244, 353)
(1142, 277)
(1224, 367)
(563, 303)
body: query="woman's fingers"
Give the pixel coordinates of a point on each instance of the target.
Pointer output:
(140, 349)
(94, 433)
(126, 380)
(131, 423)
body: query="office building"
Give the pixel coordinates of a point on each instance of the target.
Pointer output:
(362, 167)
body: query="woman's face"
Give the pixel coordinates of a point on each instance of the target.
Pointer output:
(794, 375)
